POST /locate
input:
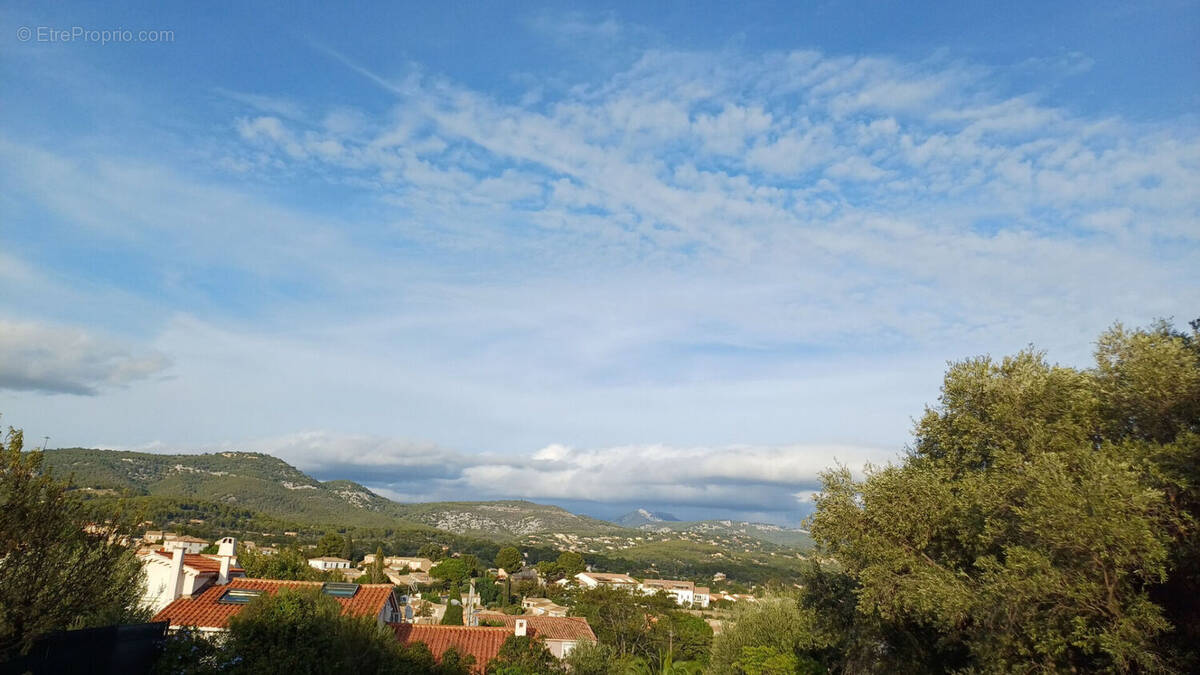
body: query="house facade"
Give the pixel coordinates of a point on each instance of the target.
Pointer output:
(325, 563)
(171, 574)
(686, 593)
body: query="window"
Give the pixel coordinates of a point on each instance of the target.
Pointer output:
(339, 590)
(238, 596)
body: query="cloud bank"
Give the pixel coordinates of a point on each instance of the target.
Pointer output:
(772, 481)
(69, 360)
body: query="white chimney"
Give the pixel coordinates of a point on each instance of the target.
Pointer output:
(227, 547)
(520, 628)
(175, 580)
(223, 575)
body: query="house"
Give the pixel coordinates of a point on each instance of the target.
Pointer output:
(410, 579)
(152, 536)
(400, 562)
(702, 597)
(184, 543)
(560, 633)
(174, 573)
(542, 607)
(684, 592)
(528, 574)
(326, 563)
(211, 610)
(594, 579)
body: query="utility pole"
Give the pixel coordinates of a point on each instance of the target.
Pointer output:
(45, 442)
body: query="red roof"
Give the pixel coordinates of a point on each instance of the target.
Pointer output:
(546, 627)
(199, 562)
(482, 642)
(204, 611)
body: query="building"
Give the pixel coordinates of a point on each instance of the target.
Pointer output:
(152, 536)
(410, 579)
(542, 607)
(211, 610)
(594, 579)
(560, 635)
(171, 574)
(684, 592)
(399, 562)
(326, 563)
(184, 543)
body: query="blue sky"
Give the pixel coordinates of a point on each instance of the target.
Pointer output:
(675, 255)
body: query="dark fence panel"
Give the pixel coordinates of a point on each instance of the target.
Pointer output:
(128, 649)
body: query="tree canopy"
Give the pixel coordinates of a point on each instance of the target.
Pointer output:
(1044, 519)
(54, 573)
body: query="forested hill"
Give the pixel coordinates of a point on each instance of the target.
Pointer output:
(269, 485)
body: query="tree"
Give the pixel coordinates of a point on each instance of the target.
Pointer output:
(571, 563)
(623, 620)
(54, 575)
(332, 545)
(451, 570)
(1038, 516)
(376, 571)
(288, 564)
(304, 631)
(509, 559)
(524, 655)
(775, 625)
(432, 551)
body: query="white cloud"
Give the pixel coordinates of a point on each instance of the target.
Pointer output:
(739, 478)
(69, 360)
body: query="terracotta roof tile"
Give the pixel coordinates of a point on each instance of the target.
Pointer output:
(205, 612)
(479, 641)
(547, 627)
(199, 562)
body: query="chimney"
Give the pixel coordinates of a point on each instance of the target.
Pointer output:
(175, 581)
(520, 628)
(227, 547)
(223, 575)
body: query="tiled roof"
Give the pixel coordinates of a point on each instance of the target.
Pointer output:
(205, 612)
(607, 578)
(547, 627)
(479, 641)
(669, 584)
(203, 564)
(326, 558)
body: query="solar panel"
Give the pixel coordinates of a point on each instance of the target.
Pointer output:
(238, 596)
(339, 590)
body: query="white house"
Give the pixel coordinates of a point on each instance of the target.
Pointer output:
(685, 593)
(326, 563)
(183, 543)
(400, 562)
(594, 579)
(171, 574)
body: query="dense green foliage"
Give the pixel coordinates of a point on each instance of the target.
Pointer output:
(524, 655)
(1044, 520)
(648, 627)
(54, 575)
(289, 563)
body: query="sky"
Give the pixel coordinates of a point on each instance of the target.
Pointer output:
(681, 256)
